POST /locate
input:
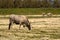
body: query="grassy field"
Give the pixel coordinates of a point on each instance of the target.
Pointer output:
(29, 11)
(47, 28)
(42, 29)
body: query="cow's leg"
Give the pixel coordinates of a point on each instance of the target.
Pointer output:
(11, 22)
(24, 25)
(19, 26)
(9, 25)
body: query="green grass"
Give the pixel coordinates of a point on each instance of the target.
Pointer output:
(29, 11)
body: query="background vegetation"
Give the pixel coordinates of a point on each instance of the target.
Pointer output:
(29, 11)
(29, 3)
(29, 7)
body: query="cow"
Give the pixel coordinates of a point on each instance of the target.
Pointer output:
(49, 14)
(20, 20)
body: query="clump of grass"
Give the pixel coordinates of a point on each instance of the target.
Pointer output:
(55, 36)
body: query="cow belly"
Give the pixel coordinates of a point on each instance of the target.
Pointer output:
(16, 22)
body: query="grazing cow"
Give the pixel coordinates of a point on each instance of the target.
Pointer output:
(49, 14)
(21, 20)
(43, 14)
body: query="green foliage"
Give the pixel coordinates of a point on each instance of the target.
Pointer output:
(29, 11)
(29, 3)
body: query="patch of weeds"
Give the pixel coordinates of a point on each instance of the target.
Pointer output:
(36, 31)
(43, 32)
(55, 36)
(4, 36)
(16, 35)
(3, 30)
(46, 24)
(3, 24)
(34, 36)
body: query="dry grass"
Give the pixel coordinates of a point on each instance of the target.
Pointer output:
(42, 29)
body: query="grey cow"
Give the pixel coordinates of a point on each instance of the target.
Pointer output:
(21, 20)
